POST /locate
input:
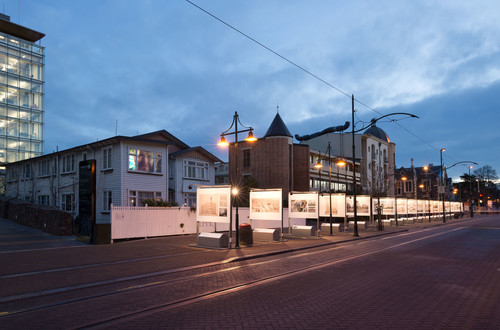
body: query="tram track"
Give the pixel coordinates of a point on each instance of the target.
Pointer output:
(206, 293)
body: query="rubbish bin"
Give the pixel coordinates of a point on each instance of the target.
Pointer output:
(246, 234)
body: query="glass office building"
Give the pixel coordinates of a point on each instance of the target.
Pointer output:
(21, 92)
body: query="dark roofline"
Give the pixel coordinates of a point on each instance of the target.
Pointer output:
(93, 145)
(19, 31)
(168, 135)
(200, 150)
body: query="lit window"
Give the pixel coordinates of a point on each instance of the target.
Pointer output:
(144, 161)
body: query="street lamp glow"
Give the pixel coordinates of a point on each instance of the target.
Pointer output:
(250, 137)
(341, 163)
(234, 191)
(426, 168)
(404, 178)
(223, 142)
(318, 164)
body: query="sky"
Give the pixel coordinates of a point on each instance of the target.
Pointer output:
(131, 67)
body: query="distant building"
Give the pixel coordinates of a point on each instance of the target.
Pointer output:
(222, 173)
(420, 183)
(273, 161)
(129, 170)
(375, 159)
(21, 93)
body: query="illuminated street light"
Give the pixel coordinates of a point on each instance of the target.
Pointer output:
(442, 183)
(235, 181)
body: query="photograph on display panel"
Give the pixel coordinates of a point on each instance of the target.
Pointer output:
(338, 205)
(213, 204)
(265, 204)
(402, 203)
(362, 205)
(303, 205)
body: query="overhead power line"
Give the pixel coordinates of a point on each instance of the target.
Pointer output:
(304, 70)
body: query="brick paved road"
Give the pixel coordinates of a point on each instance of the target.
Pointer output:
(449, 281)
(433, 277)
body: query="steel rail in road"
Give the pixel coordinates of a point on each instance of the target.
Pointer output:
(209, 294)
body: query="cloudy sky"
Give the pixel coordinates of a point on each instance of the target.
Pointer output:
(134, 67)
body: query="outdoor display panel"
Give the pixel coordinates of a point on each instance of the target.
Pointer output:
(363, 205)
(266, 204)
(213, 203)
(338, 205)
(435, 206)
(448, 206)
(421, 206)
(303, 205)
(412, 206)
(402, 204)
(387, 204)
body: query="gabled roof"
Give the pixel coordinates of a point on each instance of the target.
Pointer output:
(278, 128)
(163, 134)
(199, 149)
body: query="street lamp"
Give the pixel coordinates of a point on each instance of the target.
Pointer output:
(442, 184)
(470, 194)
(235, 181)
(318, 165)
(373, 121)
(426, 169)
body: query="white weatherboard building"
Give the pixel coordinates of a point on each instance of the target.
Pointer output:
(129, 170)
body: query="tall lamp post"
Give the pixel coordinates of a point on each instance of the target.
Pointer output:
(442, 183)
(470, 194)
(235, 180)
(319, 166)
(373, 121)
(426, 169)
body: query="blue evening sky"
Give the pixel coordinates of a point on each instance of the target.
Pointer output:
(140, 66)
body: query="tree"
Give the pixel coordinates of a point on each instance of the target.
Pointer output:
(486, 173)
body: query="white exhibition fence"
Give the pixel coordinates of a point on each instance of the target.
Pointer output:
(132, 222)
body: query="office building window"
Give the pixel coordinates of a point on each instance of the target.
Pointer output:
(43, 168)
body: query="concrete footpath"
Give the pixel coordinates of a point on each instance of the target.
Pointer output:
(33, 246)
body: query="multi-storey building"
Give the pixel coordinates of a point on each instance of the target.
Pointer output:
(21, 93)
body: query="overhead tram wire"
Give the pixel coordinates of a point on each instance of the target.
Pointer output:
(304, 70)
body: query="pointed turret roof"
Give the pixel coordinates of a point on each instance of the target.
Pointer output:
(278, 128)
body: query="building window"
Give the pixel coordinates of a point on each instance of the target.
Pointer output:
(195, 170)
(43, 168)
(12, 174)
(136, 198)
(68, 164)
(107, 162)
(144, 161)
(107, 199)
(27, 171)
(246, 158)
(43, 199)
(190, 200)
(67, 202)
(408, 186)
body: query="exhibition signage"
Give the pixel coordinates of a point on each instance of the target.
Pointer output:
(213, 203)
